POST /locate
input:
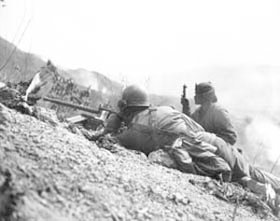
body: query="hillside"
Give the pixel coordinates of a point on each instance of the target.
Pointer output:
(49, 173)
(21, 66)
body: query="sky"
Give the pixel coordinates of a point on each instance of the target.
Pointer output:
(152, 42)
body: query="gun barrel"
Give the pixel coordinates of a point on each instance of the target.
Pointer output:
(67, 104)
(108, 110)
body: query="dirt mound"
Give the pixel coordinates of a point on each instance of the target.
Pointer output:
(49, 173)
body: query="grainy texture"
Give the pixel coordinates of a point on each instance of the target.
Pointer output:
(54, 174)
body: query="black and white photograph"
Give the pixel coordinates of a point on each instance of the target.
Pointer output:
(120, 110)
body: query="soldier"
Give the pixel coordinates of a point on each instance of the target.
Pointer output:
(152, 128)
(199, 152)
(211, 116)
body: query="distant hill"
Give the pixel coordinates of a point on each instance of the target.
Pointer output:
(99, 82)
(93, 80)
(21, 66)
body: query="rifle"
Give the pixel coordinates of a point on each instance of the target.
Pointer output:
(83, 116)
(79, 107)
(184, 91)
(185, 102)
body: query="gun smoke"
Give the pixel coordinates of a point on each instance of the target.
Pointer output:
(262, 135)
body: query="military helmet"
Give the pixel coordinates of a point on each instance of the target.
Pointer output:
(134, 96)
(205, 92)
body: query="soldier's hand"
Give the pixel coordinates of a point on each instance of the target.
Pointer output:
(184, 101)
(186, 105)
(108, 138)
(93, 136)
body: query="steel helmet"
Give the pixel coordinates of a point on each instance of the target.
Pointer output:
(134, 96)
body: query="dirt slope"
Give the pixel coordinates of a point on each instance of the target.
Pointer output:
(49, 173)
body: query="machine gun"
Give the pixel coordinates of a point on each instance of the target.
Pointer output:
(185, 102)
(104, 112)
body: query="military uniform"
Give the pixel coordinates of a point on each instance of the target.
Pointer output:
(215, 119)
(152, 128)
(239, 166)
(212, 117)
(155, 128)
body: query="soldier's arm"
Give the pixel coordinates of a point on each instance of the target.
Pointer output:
(112, 126)
(113, 123)
(186, 106)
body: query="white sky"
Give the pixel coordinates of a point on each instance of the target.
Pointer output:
(153, 41)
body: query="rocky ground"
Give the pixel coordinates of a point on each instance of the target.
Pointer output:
(49, 173)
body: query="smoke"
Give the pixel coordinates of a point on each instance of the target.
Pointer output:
(263, 135)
